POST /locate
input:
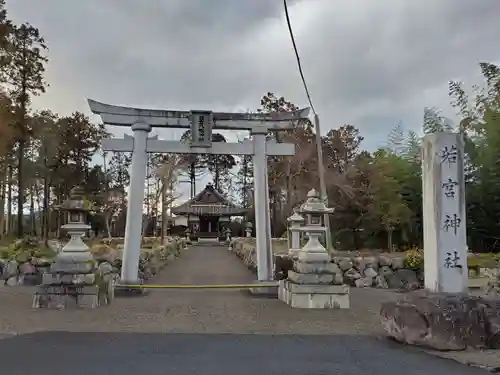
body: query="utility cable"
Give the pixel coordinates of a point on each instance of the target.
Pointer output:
(319, 142)
(299, 64)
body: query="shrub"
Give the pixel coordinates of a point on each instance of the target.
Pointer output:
(22, 250)
(414, 258)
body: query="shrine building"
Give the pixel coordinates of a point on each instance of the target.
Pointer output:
(208, 212)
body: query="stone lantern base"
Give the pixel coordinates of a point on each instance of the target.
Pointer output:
(84, 288)
(314, 286)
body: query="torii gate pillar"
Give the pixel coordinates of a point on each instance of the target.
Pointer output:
(133, 226)
(261, 204)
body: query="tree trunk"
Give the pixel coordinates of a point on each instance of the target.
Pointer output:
(107, 219)
(9, 201)
(32, 211)
(389, 239)
(46, 214)
(163, 229)
(2, 204)
(20, 182)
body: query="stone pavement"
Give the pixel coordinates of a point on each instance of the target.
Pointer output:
(130, 331)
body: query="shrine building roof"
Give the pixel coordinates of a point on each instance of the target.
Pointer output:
(209, 201)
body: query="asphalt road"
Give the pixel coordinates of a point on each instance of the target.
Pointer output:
(63, 353)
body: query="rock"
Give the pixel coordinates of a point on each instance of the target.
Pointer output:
(370, 272)
(27, 269)
(41, 262)
(384, 261)
(351, 275)
(359, 264)
(364, 282)
(385, 270)
(12, 281)
(105, 268)
(381, 282)
(403, 279)
(443, 321)
(282, 265)
(398, 263)
(10, 269)
(372, 262)
(344, 263)
(338, 279)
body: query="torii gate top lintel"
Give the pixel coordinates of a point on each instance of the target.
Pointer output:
(127, 116)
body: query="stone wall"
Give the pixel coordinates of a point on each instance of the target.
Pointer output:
(27, 268)
(378, 270)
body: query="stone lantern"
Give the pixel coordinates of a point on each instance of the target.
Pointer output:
(295, 222)
(74, 278)
(314, 209)
(75, 255)
(248, 229)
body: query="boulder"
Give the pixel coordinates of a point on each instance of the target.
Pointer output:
(443, 321)
(403, 279)
(384, 261)
(372, 262)
(370, 272)
(398, 263)
(359, 264)
(9, 270)
(381, 282)
(364, 282)
(344, 263)
(351, 275)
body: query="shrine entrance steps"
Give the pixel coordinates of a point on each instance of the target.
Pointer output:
(208, 242)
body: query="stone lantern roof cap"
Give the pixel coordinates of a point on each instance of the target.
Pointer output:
(249, 224)
(314, 204)
(296, 218)
(75, 201)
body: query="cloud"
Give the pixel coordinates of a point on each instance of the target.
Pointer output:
(369, 63)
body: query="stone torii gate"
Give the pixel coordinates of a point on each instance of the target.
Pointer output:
(201, 124)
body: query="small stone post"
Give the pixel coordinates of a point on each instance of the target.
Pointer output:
(228, 235)
(315, 282)
(445, 247)
(74, 277)
(248, 230)
(295, 222)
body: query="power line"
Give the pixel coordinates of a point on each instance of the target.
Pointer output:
(319, 142)
(299, 64)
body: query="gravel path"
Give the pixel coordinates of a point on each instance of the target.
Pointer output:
(315, 341)
(195, 311)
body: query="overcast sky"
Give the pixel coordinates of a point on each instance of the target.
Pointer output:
(370, 63)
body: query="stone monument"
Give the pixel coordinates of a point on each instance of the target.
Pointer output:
(445, 248)
(74, 279)
(315, 282)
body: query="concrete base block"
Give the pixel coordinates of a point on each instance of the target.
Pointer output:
(124, 291)
(66, 296)
(314, 296)
(268, 291)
